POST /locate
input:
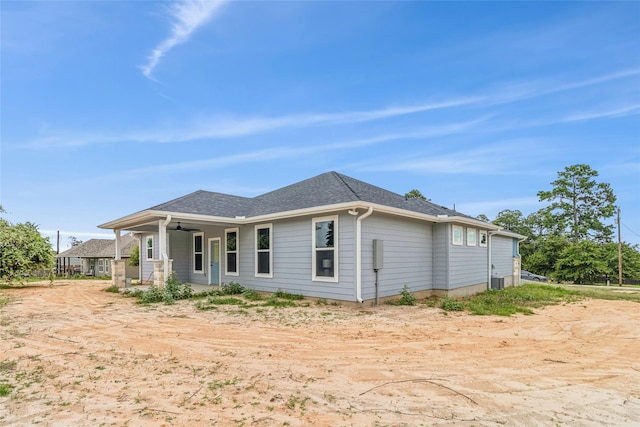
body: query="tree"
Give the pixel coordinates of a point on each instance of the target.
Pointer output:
(134, 257)
(483, 217)
(630, 260)
(73, 241)
(579, 204)
(22, 250)
(512, 220)
(581, 262)
(415, 194)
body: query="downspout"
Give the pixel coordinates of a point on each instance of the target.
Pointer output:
(163, 246)
(359, 253)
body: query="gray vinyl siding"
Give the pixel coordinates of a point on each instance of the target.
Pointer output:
(467, 264)
(502, 256)
(292, 260)
(441, 239)
(408, 255)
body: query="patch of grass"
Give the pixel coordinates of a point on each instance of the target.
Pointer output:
(520, 299)
(278, 303)
(252, 295)
(287, 295)
(113, 288)
(5, 389)
(3, 301)
(225, 301)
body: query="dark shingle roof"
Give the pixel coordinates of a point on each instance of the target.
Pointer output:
(207, 203)
(326, 189)
(101, 248)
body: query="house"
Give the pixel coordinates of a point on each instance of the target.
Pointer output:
(318, 238)
(93, 257)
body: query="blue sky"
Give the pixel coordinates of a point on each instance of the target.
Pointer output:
(108, 108)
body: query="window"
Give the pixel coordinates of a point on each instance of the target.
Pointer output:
(150, 248)
(456, 235)
(106, 265)
(232, 248)
(198, 253)
(325, 243)
(483, 238)
(100, 266)
(263, 250)
(471, 237)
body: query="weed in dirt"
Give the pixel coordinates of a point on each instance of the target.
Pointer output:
(287, 295)
(252, 295)
(3, 300)
(406, 298)
(449, 304)
(8, 365)
(5, 389)
(278, 303)
(113, 289)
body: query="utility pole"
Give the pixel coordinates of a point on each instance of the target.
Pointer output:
(619, 252)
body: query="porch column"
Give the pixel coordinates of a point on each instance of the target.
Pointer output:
(159, 278)
(117, 232)
(118, 272)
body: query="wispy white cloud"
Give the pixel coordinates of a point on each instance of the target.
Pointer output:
(627, 110)
(187, 16)
(206, 127)
(519, 91)
(503, 157)
(289, 152)
(228, 127)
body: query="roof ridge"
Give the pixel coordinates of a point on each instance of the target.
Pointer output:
(341, 179)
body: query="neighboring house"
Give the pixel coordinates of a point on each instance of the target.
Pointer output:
(317, 238)
(93, 257)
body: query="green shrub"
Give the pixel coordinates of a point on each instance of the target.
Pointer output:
(406, 297)
(449, 304)
(232, 288)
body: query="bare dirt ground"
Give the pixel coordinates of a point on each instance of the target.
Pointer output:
(78, 356)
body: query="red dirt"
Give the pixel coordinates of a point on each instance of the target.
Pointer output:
(76, 355)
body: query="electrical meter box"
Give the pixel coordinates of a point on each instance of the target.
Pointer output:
(378, 254)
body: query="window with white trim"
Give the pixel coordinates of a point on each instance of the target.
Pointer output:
(100, 266)
(264, 245)
(456, 235)
(483, 238)
(150, 248)
(198, 253)
(232, 249)
(471, 237)
(325, 249)
(107, 262)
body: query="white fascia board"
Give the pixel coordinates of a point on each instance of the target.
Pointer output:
(150, 216)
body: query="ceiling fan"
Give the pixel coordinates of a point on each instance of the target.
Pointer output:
(181, 228)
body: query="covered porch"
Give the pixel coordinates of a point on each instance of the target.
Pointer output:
(189, 246)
